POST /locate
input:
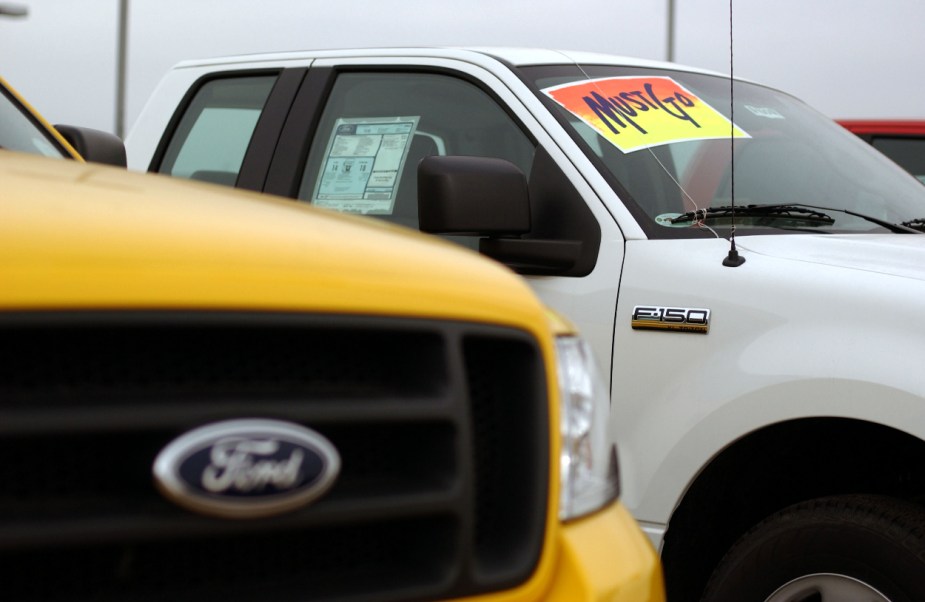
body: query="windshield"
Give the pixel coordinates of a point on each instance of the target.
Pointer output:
(19, 131)
(664, 140)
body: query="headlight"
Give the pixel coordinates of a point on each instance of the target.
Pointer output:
(588, 462)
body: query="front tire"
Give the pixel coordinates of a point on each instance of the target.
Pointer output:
(857, 547)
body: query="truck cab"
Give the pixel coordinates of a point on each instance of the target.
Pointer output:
(748, 273)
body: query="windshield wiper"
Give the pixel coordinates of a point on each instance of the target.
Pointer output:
(916, 224)
(798, 212)
(807, 213)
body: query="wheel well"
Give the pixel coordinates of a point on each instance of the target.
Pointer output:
(775, 467)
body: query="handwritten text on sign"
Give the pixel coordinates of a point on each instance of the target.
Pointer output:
(641, 112)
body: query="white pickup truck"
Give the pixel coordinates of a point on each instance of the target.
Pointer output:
(750, 273)
(209, 394)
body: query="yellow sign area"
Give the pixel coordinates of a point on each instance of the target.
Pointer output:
(642, 112)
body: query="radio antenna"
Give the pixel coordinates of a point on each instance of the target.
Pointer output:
(733, 259)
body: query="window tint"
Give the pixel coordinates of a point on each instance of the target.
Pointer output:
(214, 132)
(376, 127)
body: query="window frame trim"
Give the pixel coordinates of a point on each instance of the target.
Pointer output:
(173, 125)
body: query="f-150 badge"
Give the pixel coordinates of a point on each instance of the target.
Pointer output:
(246, 468)
(678, 319)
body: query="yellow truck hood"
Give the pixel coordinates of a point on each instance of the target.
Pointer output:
(85, 236)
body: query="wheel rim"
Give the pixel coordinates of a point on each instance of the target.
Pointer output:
(826, 587)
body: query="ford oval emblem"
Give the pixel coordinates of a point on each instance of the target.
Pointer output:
(246, 468)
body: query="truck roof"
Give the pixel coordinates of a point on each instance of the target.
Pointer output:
(519, 56)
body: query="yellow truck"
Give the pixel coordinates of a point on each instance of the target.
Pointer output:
(211, 394)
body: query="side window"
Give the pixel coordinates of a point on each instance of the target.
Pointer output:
(376, 127)
(214, 132)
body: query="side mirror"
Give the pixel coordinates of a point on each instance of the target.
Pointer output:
(95, 145)
(472, 195)
(487, 197)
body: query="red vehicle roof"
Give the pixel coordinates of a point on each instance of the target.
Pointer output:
(903, 127)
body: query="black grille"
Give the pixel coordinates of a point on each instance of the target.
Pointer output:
(442, 430)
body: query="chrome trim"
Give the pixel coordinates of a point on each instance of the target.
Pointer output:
(248, 439)
(675, 319)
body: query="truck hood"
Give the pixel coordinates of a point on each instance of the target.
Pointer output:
(889, 254)
(86, 236)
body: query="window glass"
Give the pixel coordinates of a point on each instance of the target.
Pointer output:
(19, 132)
(909, 153)
(663, 139)
(214, 132)
(376, 128)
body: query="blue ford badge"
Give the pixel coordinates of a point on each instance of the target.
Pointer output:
(246, 468)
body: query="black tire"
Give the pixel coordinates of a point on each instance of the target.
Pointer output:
(874, 543)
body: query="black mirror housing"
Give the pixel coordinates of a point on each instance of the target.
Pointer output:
(472, 195)
(540, 227)
(95, 145)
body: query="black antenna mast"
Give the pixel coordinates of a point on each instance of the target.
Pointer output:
(733, 259)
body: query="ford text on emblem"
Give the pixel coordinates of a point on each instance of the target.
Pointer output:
(678, 319)
(246, 468)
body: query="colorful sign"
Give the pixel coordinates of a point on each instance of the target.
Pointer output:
(642, 112)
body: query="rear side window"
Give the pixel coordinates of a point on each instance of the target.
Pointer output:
(214, 132)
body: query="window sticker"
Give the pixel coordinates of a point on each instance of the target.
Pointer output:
(361, 168)
(633, 113)
(664, 219)
(767, 112)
